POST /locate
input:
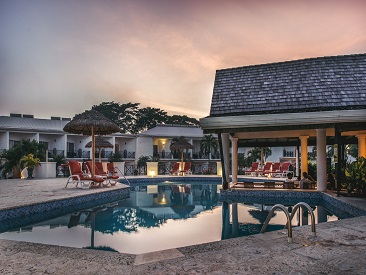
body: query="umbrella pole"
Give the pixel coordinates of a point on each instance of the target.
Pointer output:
(100, 155)
(93, 152)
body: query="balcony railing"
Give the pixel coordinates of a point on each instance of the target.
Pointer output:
(288, 154)
(127, 155)
(78, 154)
(55, 153)
(187, 155)
(199, 155)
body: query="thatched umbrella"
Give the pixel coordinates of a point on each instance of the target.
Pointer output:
(100, 143)
(181, 144)
(91, 123)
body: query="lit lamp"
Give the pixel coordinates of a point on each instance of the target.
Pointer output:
(219, 169)
(152, 168)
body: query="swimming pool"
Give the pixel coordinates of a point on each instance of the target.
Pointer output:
(162, 215)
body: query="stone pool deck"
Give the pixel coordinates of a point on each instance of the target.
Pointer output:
(338, 248)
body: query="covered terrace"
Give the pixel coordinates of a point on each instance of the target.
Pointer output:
(316, 101)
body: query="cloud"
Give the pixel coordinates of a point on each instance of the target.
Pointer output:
(65, 55)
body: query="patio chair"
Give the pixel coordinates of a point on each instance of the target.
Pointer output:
(253, 169)
(77, 176)
(98, 173)
(112, 179)
(275, 169)
(175, 169)
(186, 169)
(285, 169)
(112, 170)
(266, 168)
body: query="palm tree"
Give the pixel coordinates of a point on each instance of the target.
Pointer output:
(208, 144)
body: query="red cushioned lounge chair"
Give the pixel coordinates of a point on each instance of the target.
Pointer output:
(77, 176)
(253, 169)
(275, 169)
(186, 169)
(97, 173)
(266, 169)
(175, 169)
(112, 179)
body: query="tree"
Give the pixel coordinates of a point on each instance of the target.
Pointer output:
(124, 115)
(14, 155)
(148, 118)
(208, 144)
(255, 153)
(133, 120)
(182, 120)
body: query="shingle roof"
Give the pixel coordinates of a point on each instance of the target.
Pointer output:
(314, 84)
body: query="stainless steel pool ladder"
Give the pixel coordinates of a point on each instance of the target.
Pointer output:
(289, 218)
(123, 175)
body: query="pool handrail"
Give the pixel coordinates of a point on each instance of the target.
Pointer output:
(123, 175)
(289, 226)
(305, 205)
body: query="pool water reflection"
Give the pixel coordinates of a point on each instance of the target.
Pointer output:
(158, 217)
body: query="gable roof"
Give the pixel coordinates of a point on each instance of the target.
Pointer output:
(307, 85)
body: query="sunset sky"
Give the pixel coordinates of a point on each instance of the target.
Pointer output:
(60, 57)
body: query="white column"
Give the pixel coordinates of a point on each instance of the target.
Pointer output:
(297, 162)
(361, 145)
(226, 151)
(321, 162)
(304, 154)
(234, 155)
(7, 141)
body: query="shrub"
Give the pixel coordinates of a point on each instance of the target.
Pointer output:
(356, 177)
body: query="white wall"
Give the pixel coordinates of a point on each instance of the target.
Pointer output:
(20, 136)
(4, 140)
(144, 147)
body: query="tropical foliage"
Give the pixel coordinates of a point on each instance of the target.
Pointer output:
(29, 161)
(356, 177)
(255, 153)
(14, 155)
(209, 144)
(132, 119)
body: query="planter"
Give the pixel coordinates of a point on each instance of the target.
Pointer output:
(45, 170)
(30, 173)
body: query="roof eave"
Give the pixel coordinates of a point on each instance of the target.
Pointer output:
(211, 124)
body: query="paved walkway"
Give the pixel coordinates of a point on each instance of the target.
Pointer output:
(338, 248)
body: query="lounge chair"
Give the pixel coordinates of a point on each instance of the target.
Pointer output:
(112, 179)
(275, 169)
(98, 173)
(285, 168)
(253, 169)
(78, 177)
(111, 169)
(186, 169)
(175, 169)
(266, 169)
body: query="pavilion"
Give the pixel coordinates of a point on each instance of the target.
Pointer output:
(316, 101)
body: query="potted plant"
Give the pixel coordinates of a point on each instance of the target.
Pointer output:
(30, 162)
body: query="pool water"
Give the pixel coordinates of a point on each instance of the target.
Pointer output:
(158, 217)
